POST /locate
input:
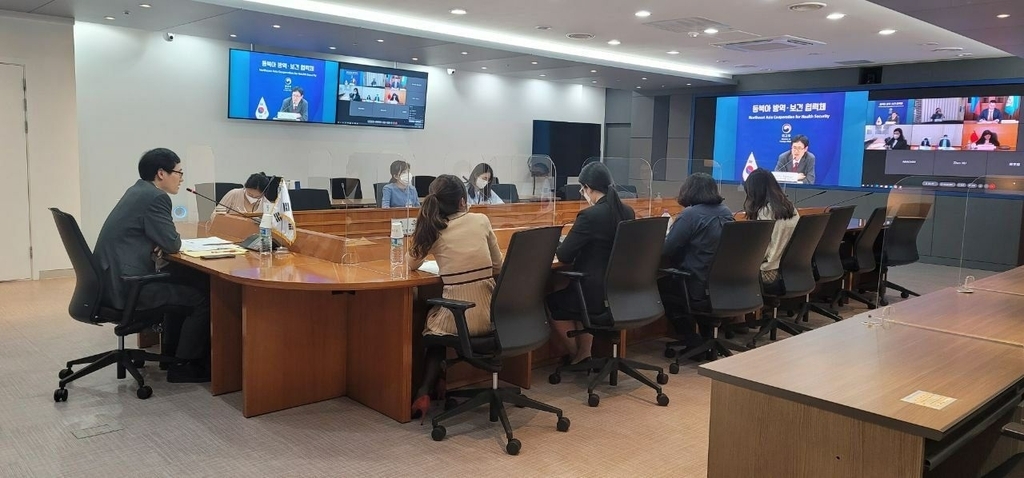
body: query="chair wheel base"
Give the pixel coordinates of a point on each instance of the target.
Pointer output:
(513, 447)
(593, 400)
(438, 433)
(555, 378)
(139, 363)
(662, 378)
(65, 373)
(904, 295)
(670, 352)
(60, 395)
(673, 368)
(144, 392)
(563, 424)
(663, 399)
(450, 403)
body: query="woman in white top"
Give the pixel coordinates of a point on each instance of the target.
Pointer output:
(478, 190)
(247, 199)
(766, 202)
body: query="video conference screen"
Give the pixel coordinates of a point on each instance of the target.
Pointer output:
(270, 87)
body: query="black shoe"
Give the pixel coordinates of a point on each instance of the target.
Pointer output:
(193, 371)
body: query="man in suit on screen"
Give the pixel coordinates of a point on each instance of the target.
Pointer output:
(798, 159)
(296, 104)
(991, 114)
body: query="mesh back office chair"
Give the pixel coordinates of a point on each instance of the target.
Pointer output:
(1013, 466)
(422, 183)
(899, 248)
(520, 325)
(346, 188)
(507, 192)
(828, 264)
(309, 199)
(796, 274)
(631, 292)
(734, 287)
(378, 192)
(88, 305)
(862, 258)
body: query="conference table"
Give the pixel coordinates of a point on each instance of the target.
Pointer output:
(922, 393)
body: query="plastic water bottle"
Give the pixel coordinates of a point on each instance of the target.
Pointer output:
(397, 250)
(266, 223)
(664, 213)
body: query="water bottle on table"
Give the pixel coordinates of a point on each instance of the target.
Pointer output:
(397, 250)
(266, 224)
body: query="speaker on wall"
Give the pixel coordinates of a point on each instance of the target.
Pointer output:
(870, 76)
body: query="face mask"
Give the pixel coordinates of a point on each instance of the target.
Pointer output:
(405, 178)
(481, 183)
(251, 199)
(583, 192)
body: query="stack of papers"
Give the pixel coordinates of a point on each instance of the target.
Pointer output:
(208, 246)
(431, 267)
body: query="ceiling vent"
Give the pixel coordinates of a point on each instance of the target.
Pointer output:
(761, 45)
(807, 6)
(948, 48)
(854, 62)
(689, 24)
(580, 36)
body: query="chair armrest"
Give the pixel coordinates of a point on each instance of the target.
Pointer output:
(681, 274)
(451, 304)
(1014, 430)
(458, 309)
(135, 284)
(572, 275)
(677, 272)
(147, 277)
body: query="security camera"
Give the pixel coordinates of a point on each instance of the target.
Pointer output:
(693, 34)
(451, 71)
(168, 37)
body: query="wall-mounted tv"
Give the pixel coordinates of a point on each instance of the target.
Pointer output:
(282, 88)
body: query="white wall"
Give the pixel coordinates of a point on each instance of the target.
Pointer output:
(137, 91)
(46, 48)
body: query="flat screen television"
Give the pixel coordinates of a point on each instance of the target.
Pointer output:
(376, 96)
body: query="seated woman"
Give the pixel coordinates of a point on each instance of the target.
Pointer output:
(479, 191)
(467, 256)
(248, 199)
(399, 191)
(766, 202)
(692, 242)
(588, 247)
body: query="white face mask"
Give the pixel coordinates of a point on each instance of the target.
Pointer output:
(405, 178)
(583, 192)
(251, 199)
(481, 183)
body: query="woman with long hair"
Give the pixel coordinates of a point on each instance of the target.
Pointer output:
(766, 202)
(478, 190)
(468, 257)
(399, 191)
(988, 137)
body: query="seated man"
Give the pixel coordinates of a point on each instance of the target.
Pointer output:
(134, 237)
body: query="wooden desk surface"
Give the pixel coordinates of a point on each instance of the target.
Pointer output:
(863, 373)
(1010, 282)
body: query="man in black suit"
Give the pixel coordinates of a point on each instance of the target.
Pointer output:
(991, 114)
(296, 103)
(798, 159)
(132, 241)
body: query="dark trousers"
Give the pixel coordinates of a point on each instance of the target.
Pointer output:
(185, 288)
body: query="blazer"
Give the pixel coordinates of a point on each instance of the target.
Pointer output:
(302, 109)
(140, 222)
(806, 166)
(996, 115)
(944, 143)
(588, 247)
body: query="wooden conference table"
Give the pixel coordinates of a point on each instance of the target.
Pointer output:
(830, 402)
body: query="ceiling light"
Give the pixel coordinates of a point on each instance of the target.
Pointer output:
(465, 53)
(673, 52)
(233, 35)
(807, 6)
(543, 75)
(593, 81)
(458, 11)
(533, 63)
(689, 84)
(961, 55)
(332, 48)
(483, 67)
(710, 31)
(145, 5)
(1003, 15)
(415, 59)
(108, 18)
(380, 40)
(721, 61)
(644, 78)
(276, 26)
(610, 42)
(638, 87)
(593, 71)
(643, 14)
(835, 16)
(887, 31)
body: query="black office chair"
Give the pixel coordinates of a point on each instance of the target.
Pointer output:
(861, 258)
(631, 292)
(309, 199)
(571, 192)
(734, 287)
(89, 305)
(899, 248)
(796, 274)
(378, 192)
(422, 183)
(507, 192)
(828, 264)
(520, 325)
(627, 191)
(346, 188)
(1013, 466)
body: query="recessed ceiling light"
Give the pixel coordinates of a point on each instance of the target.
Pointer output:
(638, 87)
(961, 55)
(614, 42)
(483, 67)
(887, 31)
(233, 35)
(145, 5)
(415, 59)
(458, 11)
(332, 48)
(835, 16)
(931, 43)
(710, 31)
(108, 18)
(673, 52)
(465, 53)
(276, 26)
(533, 63)
(543, 75)
(593, 71)
(1003, 15)
(814, 53)
(380, 40)
(721, 61)
(689, 84)
(807, 6)
(643, 14)
(644, 78)
(593, 81)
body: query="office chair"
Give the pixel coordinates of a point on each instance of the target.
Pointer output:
(520, 325)
(346, 188)
(507, 192)
(378, 192)
(422, 183)
(1013, 465)
(734, 287)
(796, 274)
(88, 305)
(633, 300)
(828, 264)
(309, 199)
(627, 191)
(212, 190)
(899, 248)
(861, 259)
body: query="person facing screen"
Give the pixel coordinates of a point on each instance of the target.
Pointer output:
(246, 199)
(478, 189)
(399, 191)
(798, 160)
(766, 202)
(394, 99)
(991, 114)
(988, 138)
(355, 95)
(897, 141)
(938, 116)
(944, 142)
(296, 104)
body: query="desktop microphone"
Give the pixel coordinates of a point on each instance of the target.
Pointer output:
(848, 200)
(808, 197)
(218, 203)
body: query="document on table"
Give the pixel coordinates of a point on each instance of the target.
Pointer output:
(431, 267)
(206, 246)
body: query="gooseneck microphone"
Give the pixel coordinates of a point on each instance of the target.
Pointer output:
(811, 196)
(218, 203)
(848, 200)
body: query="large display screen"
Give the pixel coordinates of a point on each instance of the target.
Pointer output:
(381, 96)
(975, 123)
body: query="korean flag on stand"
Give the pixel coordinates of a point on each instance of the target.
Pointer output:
(750, 166)
(284, 220)
(261, 110)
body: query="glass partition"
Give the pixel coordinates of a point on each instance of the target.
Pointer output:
(668, 175)
(389, 203)
(200, 173)
(632, 178)
(522, 193)
(989, 235)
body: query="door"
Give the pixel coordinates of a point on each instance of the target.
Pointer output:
(15, 239)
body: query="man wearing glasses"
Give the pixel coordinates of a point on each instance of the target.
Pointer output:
(798, 160)
(132, 241)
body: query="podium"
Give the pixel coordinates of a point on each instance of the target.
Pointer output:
(785, 177)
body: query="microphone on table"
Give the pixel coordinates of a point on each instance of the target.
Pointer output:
(252, 242)
(218, 203)
(848, 200)
(808, 197)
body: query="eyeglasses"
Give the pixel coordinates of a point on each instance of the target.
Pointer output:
(178, 171)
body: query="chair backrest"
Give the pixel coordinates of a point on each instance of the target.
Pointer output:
(422, 183)
(734, 281)
(518, 307)
(863, 246)
(795, 265)
(627, 191)
(572, 192)
(346, 188)
(378, 191)
(914, 209)
(631, 279)
(507, 192)
(900, 241)
(85, 301)
(828, 264)
(309, 199)
(216, 191)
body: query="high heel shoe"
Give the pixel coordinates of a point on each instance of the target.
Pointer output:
(420, 407)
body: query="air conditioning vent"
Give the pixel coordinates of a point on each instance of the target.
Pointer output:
(580, 36)
(854, 62)
(760, 45)
(689, 24)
